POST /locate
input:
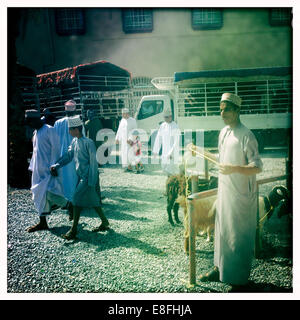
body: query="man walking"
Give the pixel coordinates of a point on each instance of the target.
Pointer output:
(126, 126)
(46, 191)
(69, 178)
(83, 151)
(235, 222)
(168, 138)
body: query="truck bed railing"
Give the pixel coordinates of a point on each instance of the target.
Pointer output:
(258, 96)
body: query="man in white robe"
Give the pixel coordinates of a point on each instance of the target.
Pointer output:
(126, 126)
(46, 191)
(235, 223)
(69, 178)
(167, 138)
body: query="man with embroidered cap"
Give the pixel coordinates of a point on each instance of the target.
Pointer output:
(83, 151)
(69, 177)
(167, 138)
(126, 126)
(46, 191)
(235, 222)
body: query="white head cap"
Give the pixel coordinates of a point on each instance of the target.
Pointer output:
(167, 112)
(70, 105)
(74, 122)
(32, 113)
(125, 110)
(233, 98)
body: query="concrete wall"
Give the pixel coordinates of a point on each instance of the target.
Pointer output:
(246, 40)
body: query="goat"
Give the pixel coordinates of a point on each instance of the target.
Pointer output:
(176, 186)
(204, 210)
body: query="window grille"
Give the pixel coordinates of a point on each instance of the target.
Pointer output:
(70, 21)
(280, 16)
(208, 18)
(137, 20)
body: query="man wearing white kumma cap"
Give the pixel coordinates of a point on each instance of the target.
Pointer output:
(61, 127)
(235, 222)
(167, 138)
(126, 126)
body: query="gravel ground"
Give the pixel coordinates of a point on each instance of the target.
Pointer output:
(141, 252)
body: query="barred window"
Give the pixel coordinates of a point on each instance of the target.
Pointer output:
(208, 18)
(280, 16)
(137, 20)
(69, 21)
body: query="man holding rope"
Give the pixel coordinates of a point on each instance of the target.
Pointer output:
(235, 223)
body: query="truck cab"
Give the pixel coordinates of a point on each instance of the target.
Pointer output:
(149, 114)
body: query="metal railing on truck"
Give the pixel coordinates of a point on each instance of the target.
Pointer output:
(258, 96)
(106, 95)
(88, 92)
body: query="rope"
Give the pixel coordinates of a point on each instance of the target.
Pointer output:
(187, 193)
(202, 155)
(265, 216)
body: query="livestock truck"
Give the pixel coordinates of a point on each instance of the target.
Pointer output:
(100, 86)
(194, 98)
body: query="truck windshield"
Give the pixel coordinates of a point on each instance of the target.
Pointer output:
(150, 108)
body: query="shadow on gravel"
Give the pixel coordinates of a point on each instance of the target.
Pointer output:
(269, 252)
(205, 253)
(132, 193)
(150, 169)
(114, 212)
(106, 240)
(261, 287)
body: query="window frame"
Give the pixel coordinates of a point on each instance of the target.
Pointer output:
(158, 103)
(206, 25)
(278, 23)
(137, 29)
(74, 30)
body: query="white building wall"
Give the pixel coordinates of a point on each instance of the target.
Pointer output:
(246, 40)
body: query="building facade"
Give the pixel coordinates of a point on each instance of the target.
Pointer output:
(155, 42)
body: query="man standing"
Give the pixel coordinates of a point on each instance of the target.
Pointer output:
(235, 222)
(92, 126)
(83, 151)
(168, 138)
(48, 117)
(46, 191)
(69, 177)
(127, 124)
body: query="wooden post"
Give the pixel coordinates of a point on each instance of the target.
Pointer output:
(206, 169)
(192, 245)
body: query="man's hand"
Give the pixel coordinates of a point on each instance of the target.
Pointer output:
(227, 169)
(53, 171)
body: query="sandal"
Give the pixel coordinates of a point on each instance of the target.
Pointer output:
(212, 275)
(38, 227)
(101, 228)
(70, 235)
